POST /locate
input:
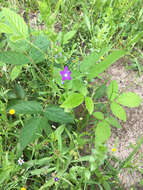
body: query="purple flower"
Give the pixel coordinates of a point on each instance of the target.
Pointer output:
(56, 179)
(66, 75)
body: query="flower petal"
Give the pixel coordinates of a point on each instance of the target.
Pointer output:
(66, 69)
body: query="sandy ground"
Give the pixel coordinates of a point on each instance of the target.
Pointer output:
(128, 80)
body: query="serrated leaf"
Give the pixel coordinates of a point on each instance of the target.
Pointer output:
(129, 99)
(5, 28)
(112, 121)
(98, 115)
(118, 111)
(57, 114)
(89, 104)
(15, 72)
(73, 101)
(15, 22)
(100, 92)
(27, 107)
(112, 90)
(15, 58)
(38, 51)
(102, 132)
(31, 131)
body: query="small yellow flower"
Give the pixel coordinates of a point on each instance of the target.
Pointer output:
(11, 111)
(102, 58)
(114, 149)
(33, 90)
(23, 188)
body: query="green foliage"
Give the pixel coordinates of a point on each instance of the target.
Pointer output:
(102, 132)
(26, 107)
(61, 116)
(52, 141)
(118, 111)
(35, 126)
(112, 91)
(89, 104)
(73, 101)
(129, 99)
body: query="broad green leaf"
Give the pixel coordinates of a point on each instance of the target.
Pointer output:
(11, 95)
(118, 111)
(98, 115)
(102, 132)
(15, 72)
(5, 28)
(15, 58)
(112, 121)
(100, 92)
(31, 131)
(39, 48)
(15, 22)
(57, 114)
(20, 92)
(129, 99)
(27, 107)
(15, 38)
(68, 36)
(89, 104)
(112, 90)
(73, 101)
(19, 46)
(97, 69)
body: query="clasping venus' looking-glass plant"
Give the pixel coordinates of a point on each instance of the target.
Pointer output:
(66, 75)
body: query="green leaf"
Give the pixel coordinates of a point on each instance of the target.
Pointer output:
(42, 171)
(58, 135)
(106, 185)
(27, 107)
(15, 22)
(135, 39)
(15, 72)
(78, 85)
(118, 111)
(56, 114)
(73, 101)
(89, 104)
(39, 50)
(112, 121)
(20, 92)
(5, 28)
(98, 115)
(112, 91)
(68, 36)
(91, 60)
(102, 132)
(100, 92)
(15, 58)
(129, 99)
(97, 69)
(31, 131)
